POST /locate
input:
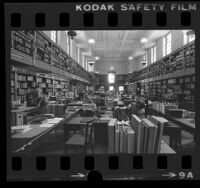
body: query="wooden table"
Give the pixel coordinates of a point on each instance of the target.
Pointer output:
(26, 142)
(184, 123)
(76, 123)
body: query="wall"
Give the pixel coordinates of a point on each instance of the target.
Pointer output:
(177, 42)
(177, 39)
(119, 67)
(103, 67)
(62, 42)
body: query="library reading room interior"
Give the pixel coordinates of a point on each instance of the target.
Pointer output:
(102, 92)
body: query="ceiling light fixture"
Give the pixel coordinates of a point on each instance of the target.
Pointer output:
(111, 67)
(143, 40)
(72, 34)
(96, 58)
(91, 41)
(130, 58)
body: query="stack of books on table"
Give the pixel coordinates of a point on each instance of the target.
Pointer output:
(140, 136)
(120, 137)
(163, 107)
(148, 133)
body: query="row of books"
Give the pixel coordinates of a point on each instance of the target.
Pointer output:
(171, 110)
(56, 109)
(23, 91)
(180, 60)
(148, 133)
(162, 107)
(22, 85)
(138, 136)
(45, 52)
(21, 78)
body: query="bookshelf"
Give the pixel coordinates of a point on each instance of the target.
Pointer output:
(36, 49)
(22, 81)
(172, 75)
(12, 85)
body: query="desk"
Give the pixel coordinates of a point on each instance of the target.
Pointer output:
(26, 142)
(184, 123)
(76, 123)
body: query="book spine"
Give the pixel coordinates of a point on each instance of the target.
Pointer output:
(111, 141)
(154, 138)
(117, 140)
(131, 138)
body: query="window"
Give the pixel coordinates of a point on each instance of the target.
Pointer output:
(121, 88)
(185, 38)
(53, 36)
(111, 78)
(83, 60)
(164, 46)
(153, 54)
(167, 44)
(188, 37)
(78, 54)
(111, 88)
(68, 43)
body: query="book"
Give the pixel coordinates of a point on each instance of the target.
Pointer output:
(168, 106)
(160, 124)
(124, 148)
(130, 140)
(142, 138)
(151, 135)
(146, 134)
(125, 141)
(136, 126)
(111, 135)
(121, 139)
(117, 139)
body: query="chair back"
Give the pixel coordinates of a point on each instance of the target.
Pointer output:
(89, 113)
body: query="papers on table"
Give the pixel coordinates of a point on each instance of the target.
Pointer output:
(47, 125)
(51, 122)
(23, 128)
(20, 127)
(54, 120)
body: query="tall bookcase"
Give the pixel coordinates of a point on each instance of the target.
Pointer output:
(22, 81)
(36, 49)
(172, 75)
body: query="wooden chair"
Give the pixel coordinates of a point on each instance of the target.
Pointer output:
(81, 141)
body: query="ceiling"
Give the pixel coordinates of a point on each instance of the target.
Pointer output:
(115, 46)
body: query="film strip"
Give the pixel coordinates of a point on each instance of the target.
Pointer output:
(102, 16)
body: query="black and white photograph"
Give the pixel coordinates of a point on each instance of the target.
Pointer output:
(102, 92)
